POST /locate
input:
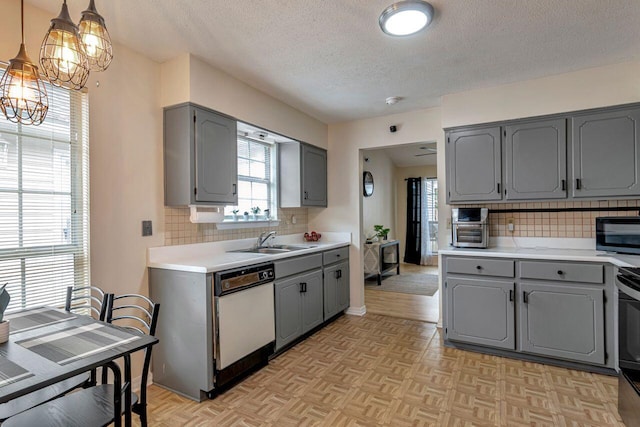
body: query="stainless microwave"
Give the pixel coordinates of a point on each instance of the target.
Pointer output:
(618, 234)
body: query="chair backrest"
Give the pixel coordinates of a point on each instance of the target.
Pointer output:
(139, 314)
(90, 298)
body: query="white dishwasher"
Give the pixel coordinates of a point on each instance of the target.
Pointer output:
(244, 321)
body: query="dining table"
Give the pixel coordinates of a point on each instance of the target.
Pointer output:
(48, 345)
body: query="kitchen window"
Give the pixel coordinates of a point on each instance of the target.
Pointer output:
(44, 202)
(256, 179)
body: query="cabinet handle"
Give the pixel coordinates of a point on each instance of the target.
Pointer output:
(511, 295)
(564, 185)
(478, 267)
(303, 287)
(578, 184)
(560, 272)
(525, 297)
(235, 189)
(306, 195)
(499, 192)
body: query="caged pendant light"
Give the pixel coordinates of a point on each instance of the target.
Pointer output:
(23, 97)
(62, 54)
(95, 38)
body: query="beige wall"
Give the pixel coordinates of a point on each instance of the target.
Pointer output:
(345, 176)
(401, 196)
(187, 78)
(590, 88)
(379, 208)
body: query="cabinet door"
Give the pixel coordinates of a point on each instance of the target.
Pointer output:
(536, 160)
(481, 311)
(473, 159)
(288, 311)
(336, 289)
(606, 153)
(312, 300)
(216, 158)
(314, 176)
(344, 290)
(560, 320)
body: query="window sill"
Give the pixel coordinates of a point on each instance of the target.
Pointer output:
(233, 225)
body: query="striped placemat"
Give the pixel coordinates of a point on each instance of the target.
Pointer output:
(71, 344)
(35, 318)
(11, 372)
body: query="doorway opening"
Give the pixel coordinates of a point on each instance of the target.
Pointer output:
(410, 213)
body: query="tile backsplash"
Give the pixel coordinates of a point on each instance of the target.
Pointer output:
(180, 231)
(554, 224)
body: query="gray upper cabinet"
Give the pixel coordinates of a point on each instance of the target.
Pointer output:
(536, 160)
(302, 175)
(200, 157)
(480, 311)
(562, 320)
(474, 165)
(606, 154)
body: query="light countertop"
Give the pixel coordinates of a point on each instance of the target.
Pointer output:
(549, 252)
(215, 256)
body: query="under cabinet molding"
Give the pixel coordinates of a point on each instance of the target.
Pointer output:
(211, 215)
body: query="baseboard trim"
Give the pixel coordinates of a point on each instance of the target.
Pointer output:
(357, 311)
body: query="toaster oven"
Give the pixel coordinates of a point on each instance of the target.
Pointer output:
(470, 227)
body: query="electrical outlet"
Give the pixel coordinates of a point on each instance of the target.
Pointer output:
(511, 225)
(146, 228)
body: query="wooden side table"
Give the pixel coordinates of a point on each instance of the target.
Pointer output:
(381, 257)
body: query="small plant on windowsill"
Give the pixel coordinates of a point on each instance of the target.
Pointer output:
(255, 211)
(235, 214)
(246, 216)
(4, 324)
(381, 231)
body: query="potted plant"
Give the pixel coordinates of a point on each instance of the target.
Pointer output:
(255, 211)
(246, 216)
(381, 231)
(235, 214)
(4, 324)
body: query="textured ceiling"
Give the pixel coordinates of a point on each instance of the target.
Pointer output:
(330, 59)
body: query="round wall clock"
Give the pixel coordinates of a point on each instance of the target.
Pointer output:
(367, 184)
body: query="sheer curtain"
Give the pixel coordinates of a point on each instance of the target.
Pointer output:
(429, 221)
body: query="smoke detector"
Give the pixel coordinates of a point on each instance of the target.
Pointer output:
(393, 100)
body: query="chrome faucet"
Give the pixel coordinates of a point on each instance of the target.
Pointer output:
(264, 236)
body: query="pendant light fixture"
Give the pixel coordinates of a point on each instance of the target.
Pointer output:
(23, 97)
(62, 55)
(95, 38)
(406, 17)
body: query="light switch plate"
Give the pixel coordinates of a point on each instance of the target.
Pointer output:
(146, 228)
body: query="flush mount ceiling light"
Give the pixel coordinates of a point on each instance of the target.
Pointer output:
(406, 17)
(95, 38)
(62, 54)
(23, 97)
(393, 100)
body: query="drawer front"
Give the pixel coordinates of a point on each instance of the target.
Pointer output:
(562, 271)
(481, 266)
(335, 255)
(295, 265)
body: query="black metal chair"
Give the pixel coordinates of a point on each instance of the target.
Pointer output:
(82, 300)
(96, 406)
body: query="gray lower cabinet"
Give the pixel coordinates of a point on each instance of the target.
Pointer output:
(606, 154)
(474, 168)
(200, 157)
(480, 311)
(536, 160)
(299, 306)
(562, 320)
(336, 289)
(547, 309)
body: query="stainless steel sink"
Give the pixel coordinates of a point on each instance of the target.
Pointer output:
(275, 249)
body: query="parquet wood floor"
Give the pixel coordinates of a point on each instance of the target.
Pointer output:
(384, 371)
(405, 306)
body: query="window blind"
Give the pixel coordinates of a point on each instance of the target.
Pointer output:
(255, 183)
(44, 202)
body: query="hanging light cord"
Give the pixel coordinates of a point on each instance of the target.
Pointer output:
(22, 19)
